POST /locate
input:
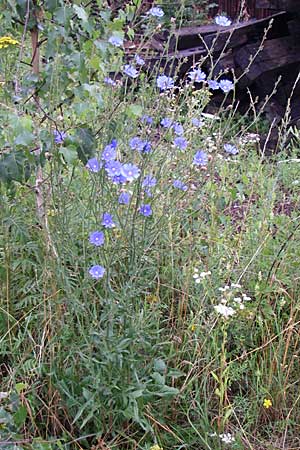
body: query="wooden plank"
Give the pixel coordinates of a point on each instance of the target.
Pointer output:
(224, 64)
(283, 5)
(269, 4)
(179, 62)
(185, 59)
(188, 37)
(225, 41)
(233, 9)
(276, 54)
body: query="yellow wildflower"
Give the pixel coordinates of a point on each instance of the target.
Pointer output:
(156, 447)
(267, 403)
(5, 41)
(51, 212)
(151, 298)
(193, 327)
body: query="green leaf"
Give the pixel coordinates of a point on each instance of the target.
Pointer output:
(117, 25)
(52, 5)
(160, 365)
(105, 15)
(134, 110)
(20, 416)
(5, 417)
(176, 373)
(158, 378)
(218, 392)
(85, 143)
(136, 394)
(80, 12)
(20, 387)
(168, 391)
(15, 166)
(215, 376)
(24, 139)
(63, 16)
(21, 7)
(101, 45)
(130, 33)
(69, 154)
(21, 124)
(59, 445)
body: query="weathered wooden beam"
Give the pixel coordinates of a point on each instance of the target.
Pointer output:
(269, 4)
(188, 37)
(275, 54)
(283, 5)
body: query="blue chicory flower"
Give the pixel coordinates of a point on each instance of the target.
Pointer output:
(148, 192)
(223, 21)
(213, 84)
(226, 85)
(59, 136)
(97, 238)
(180, 185)
(114, 143)
(93, 165)
(135, 143)
(130, 171)
(116, 41)
(149, 181)
(230, 149)
(147, 119)
(180, 142)
(139, 61)
(197, 75)
(200, 158)
(113, 168)
(164, 83)
(178, 128)
(196, 122)
(109, 81)
(107, 221)
(166, 122)
(138, 144)
(146, 210)
(156, 11)
(124, 198)
(97, 272)
(147, 147)
(130, 71)
(109, 153)
(119, 179)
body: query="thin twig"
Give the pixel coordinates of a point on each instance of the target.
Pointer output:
(17, 86)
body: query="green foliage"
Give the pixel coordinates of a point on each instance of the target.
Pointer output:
(13, 414)
(139, 358)
(15, 166)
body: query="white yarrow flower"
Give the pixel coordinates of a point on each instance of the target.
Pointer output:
(198, 277)
(225, 311)
(227, 438)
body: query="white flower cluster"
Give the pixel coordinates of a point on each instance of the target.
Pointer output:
(210, 144)
(249, 139)
(227, 438)
(231, 301)
(225, 311)
(198, 277)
